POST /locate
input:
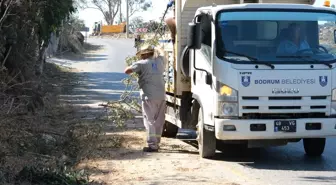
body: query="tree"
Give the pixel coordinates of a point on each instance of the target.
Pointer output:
(153, 26)
(333, 6)
(25, 31)
(138, 5)
(136, 23)
(27, 27)
(76, 23)
(110, 8)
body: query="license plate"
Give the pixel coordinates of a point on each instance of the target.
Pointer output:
(285, 126)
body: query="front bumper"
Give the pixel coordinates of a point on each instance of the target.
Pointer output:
(243, 131)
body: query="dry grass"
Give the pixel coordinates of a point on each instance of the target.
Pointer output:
(53, 136)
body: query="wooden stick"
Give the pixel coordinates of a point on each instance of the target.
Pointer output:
(5, 13)
(4, 61)
(10, 108)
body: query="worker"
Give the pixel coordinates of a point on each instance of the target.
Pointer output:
(137, 40)
(171, 23)
(294, 41)
(152, 92)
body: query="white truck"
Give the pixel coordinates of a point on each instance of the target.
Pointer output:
(259, 73)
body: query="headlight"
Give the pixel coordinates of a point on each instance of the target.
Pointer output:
(227, 109)
(333, 95)
(227, 100)
(226, 93)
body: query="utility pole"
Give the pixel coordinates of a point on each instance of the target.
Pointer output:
(127, 19)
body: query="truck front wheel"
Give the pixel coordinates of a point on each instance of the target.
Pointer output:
(169, 130)
(206, 139)
(314, 146)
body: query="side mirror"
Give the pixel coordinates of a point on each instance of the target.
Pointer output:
(194, 36)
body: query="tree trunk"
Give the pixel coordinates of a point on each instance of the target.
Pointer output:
(41, 59)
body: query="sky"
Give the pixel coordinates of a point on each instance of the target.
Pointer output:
(92, 15)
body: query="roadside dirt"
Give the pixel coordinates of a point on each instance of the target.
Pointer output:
(176, 162)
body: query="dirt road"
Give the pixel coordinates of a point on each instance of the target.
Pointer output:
(178, 161)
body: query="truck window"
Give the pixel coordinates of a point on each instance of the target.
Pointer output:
(206, 37)
(267, 30)
(268, 35)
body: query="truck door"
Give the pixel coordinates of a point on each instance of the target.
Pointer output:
(203, 61)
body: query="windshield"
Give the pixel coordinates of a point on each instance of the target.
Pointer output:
(276, 37)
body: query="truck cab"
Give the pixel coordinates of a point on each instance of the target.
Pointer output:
(261, 74)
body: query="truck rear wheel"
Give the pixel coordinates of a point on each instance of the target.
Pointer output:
(314, 146)
(169, 130)
(206, 139)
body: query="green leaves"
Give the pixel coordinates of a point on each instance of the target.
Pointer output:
(124, 109)
(54, 12)
(138, 5)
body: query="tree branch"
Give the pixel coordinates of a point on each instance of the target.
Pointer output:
(11, 105)
(89, 7)
(5, 13)
(1, 3)
(115, 13)
(6, 57)
(132, 13)
(101, 9)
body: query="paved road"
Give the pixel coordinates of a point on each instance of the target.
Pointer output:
(102, 69)
(281, 165)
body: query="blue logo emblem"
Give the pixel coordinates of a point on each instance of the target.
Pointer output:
(245, 80)
(323, 80)
(154, 67)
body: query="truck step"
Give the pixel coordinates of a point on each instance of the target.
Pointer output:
(186, 135)
(186, 139)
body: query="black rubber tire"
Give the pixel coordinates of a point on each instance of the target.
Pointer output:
(169, 130)
(206, 139)
(314, 146)
(185, 64)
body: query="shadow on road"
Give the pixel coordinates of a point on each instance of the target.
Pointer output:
(183, 179)
(320, 179)
(290, 157)
(93, 47)
(69, 59)
(90, 55)
(97, 88)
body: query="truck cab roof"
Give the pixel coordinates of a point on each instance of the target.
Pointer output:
(280, 6)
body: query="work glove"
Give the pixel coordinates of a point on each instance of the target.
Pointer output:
(170, 4)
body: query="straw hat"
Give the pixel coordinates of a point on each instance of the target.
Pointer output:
(145, 49)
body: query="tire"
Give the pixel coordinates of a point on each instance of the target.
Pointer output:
(185, 64)
(206, 139)
(169, 130)
(314, 146)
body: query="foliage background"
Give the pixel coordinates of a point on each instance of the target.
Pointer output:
(39, 136)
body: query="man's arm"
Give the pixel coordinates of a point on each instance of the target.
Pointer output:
(135, 67)
(160, 51)
(129, 70)
(161, 55)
